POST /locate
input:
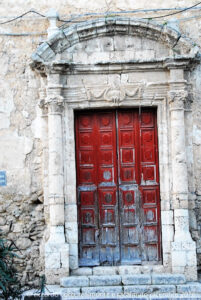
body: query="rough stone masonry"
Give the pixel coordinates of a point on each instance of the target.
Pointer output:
(111, 62)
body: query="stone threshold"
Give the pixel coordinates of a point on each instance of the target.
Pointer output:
(119, 270)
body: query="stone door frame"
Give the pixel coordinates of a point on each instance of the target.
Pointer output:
(58, 101)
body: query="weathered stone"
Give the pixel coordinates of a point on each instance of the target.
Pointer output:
(168, 279)
(136, 279)
(82, 272)
(105, 270)
(149, 289)
(193, 288)
(70, 291)
(74, 281)
(102, 290)
(104, 280)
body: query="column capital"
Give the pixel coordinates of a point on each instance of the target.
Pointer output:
(54, 104)
(177, 98)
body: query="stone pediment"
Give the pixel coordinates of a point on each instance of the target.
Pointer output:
(114, 40)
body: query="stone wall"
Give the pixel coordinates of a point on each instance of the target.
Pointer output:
(22, 207)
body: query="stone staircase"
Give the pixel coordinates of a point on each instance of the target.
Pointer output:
(128, 285)
(138, 286)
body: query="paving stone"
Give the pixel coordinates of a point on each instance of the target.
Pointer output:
(168, 279)
(189, 288)
(104, 280)
(74, 281)
(136, 279)
(102, 290)
(144, 289)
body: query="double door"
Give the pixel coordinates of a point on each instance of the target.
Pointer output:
(117, 187)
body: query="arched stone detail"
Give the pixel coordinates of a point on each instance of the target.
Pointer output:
(70, 36)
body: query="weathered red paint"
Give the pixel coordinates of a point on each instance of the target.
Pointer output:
(118, 187)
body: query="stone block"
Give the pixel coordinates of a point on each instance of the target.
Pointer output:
(168, 232)
(65, 257)
(137, 279)
(82, 272)
(149, 289)
(74, 281)
(168, 279)
(101, 290)
(71, 232)
(126, 270)
(70, 291)
(183, 246)
(191, 259)
(45, 51)
(191, 273)
(71, 213)
(167, 217)
(73, 249)
(105, 270)
(166, 246)
(73, 262)
(106, 44)
(52, 260)
(179, 258)
(178, 270)
(144, 55)
(104, 280)
(189, 288)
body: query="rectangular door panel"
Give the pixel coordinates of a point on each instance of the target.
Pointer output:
(149, 186)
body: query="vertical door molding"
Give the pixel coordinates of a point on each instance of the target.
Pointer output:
(183, 247)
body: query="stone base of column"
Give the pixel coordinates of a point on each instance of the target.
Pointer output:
(56, 256)
(184, 259)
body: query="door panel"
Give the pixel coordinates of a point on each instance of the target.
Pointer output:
(128, 189)
(117, 187)
(149, 186)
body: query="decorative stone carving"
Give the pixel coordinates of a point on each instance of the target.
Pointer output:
(54, 104)
(114, 94)
(177, 99)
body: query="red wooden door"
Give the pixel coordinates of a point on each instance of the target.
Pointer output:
(117, 187)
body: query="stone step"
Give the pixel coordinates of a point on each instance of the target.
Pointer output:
(162, 291)
(122, 280)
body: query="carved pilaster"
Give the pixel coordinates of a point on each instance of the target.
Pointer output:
(56, 249)
(178, 96)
